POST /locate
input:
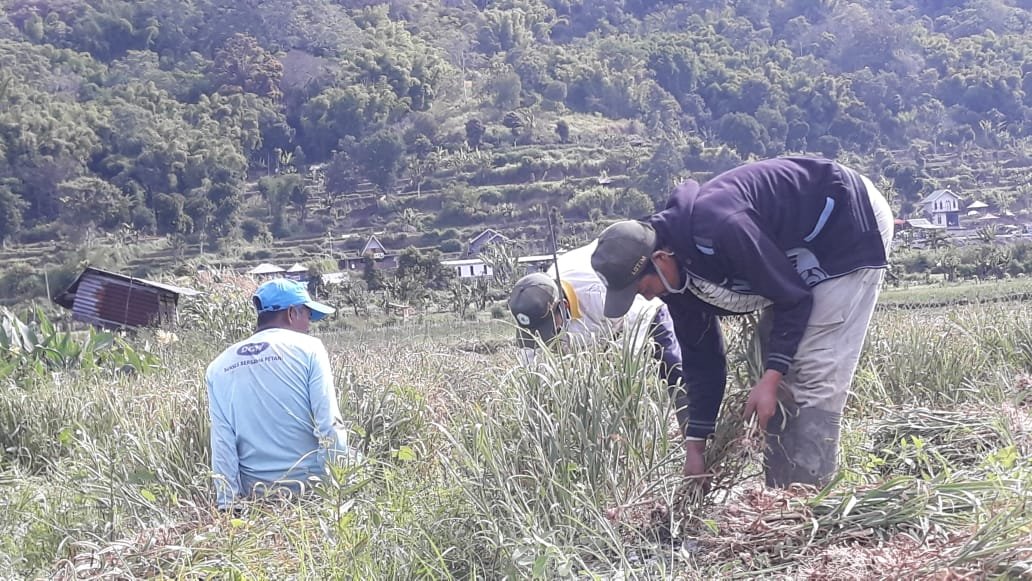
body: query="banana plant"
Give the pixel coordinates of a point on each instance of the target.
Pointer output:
(39, 348)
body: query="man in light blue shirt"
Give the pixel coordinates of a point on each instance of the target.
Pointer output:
(275, 421)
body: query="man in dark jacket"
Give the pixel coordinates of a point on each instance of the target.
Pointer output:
(804, 240)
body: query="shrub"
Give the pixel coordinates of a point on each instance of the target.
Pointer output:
(41, 233)
(250, 228)
(260, 254)
(21, 282)
(450, 245)
(491, 196)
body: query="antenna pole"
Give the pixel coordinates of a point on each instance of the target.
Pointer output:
(555, 249)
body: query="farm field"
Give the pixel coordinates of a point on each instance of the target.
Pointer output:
(950, 294)
(479, 470)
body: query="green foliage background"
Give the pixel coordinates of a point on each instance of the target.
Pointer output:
(158, 113)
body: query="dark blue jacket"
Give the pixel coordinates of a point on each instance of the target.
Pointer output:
(770, 229)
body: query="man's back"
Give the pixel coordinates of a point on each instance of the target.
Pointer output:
(590, 324)
(271, 398)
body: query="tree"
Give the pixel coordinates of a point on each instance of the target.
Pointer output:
(413, 219)
(277, 191)
(506, 89)
(381, 156)
(562, 129)
(11, 208)
(829, 146)
(515, 121)
(299, 198)
(355, 295)
(505, 266)
(462, 296)
(420, 271)
(421, 168)
(372, 276)
(255, 231)
(795, 139)
(674, 66)
(225, 197)
(89, 200)
(474, 132)
(661, 171)
(243, 65)
(340, 112)
(743, 132)
(168, 211)
(342, 173)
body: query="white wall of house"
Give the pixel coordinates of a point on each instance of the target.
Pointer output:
(469, 268)
(474, 270)
(946, 204)
(938, 210)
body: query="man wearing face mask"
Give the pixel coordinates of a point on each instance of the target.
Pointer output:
(570, 312)
(804, 240)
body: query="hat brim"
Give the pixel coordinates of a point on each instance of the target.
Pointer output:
(542, 330)
(618, 301)
(319, 310)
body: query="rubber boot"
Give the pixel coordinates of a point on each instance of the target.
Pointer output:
(802, 446)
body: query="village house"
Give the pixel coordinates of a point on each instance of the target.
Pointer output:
(372, 252)
(482, 240)
(469, 267)
(537, 262)
(298, 272)
(942, 208)
(111, 300)
(266, 270)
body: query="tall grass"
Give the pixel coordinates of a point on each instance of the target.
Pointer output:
(480, 469)
(558, 444)
(945, 356)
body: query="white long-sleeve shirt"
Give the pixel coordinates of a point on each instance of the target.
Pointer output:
(587, 296)
(274, 412)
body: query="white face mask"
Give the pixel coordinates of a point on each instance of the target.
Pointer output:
(666, 284)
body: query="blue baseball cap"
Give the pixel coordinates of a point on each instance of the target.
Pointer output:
(281, 293)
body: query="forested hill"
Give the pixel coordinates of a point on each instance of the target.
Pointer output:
(164, 114)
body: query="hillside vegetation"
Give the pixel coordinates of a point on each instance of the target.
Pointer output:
(222, 126)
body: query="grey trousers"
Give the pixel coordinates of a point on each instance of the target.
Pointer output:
(803, 436)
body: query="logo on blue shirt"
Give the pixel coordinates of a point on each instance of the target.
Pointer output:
(252, 349)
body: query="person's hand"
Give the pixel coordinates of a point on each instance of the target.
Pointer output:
(694, 458)
(763, 399)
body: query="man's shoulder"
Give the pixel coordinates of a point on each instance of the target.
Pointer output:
(278, 341)
(287, 340)
(575, 267)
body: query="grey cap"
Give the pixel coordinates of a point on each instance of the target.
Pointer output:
(532, 299)
(620, 259)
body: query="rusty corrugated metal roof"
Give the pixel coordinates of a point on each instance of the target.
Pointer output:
(110, 299)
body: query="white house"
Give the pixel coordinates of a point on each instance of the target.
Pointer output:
(538, 261)
(266, 270)
(469, 267)
(335, 277)
(297, 272)
(942, 207)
